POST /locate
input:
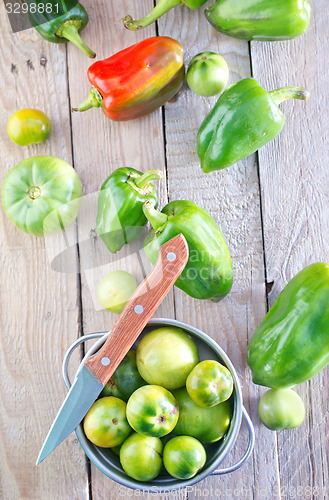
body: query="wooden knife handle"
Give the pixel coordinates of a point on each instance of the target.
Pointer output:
(172, 259)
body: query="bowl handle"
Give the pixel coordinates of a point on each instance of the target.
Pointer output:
(247, 454)
(217, 472)
(70, 350)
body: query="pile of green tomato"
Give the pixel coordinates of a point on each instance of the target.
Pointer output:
(161, 406)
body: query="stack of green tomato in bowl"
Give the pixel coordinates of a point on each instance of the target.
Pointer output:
(162, 407)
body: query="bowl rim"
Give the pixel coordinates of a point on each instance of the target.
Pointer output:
(230, 437)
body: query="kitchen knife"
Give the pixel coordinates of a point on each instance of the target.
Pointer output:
(97, 369)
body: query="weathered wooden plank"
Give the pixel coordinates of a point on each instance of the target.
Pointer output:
(39, 313)
(232, 197)
(295, 192)
(101, 146)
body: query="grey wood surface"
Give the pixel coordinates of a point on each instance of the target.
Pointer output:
(272, 208)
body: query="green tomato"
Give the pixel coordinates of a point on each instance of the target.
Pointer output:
(28, 126)
(115, 290)
(281, 409)
(141, 457)
(41, 195)
(125, 380)
(209, 383)
(106, 423)
(152, 411)
(183, 457)
(207, 74)
(116, 450)
(166, 356)
(208, 425)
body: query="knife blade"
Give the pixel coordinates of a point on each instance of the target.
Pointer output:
(97, 369)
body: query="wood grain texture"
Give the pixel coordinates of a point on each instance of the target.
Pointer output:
(45, 303)
(232, 197)
(39, 313)
(147, 298)
(294, 180)
(101, 146)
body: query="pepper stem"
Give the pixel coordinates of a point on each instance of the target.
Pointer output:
(150, 175)
(94, 100)
(161, 8)
(70, 30)
(157, 219)
(286, 93)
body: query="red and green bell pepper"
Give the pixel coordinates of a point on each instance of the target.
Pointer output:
(136, 81)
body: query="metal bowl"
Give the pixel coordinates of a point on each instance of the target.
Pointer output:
(109, 463)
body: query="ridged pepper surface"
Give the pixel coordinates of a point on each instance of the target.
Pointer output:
(208, 273)
(291, 344)
(263, 20)
(136, 81)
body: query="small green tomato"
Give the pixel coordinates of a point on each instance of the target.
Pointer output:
(28, 126)
(125, 380)
(152, 411)
(141, 457)
(209, 383)
(115, 290)
(106, 423)
(41, 195)
(208, 425)
(281, 409)
(183, 457)
(166, 356)
(207, 74)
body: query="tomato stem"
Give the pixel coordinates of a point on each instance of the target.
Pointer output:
(34, 192)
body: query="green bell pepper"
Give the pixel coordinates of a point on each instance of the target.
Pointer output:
(208, 273)
(159, 10)
(120, 217)
(244, 118)
(266, 20)
(41, 195)
(291, 344)
(60, 23)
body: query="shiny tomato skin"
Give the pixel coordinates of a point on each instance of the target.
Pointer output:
(165, 356)
(125, 380)
(209, 383)
(183, 457)
(115, 290)
(105, 424)
(207, 74)
(28, 126)
(41, 195)
(281, 409)
(208, 425)
(141, 457)
(152, 411)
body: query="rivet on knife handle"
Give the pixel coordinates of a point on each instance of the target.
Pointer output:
(172, 259)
